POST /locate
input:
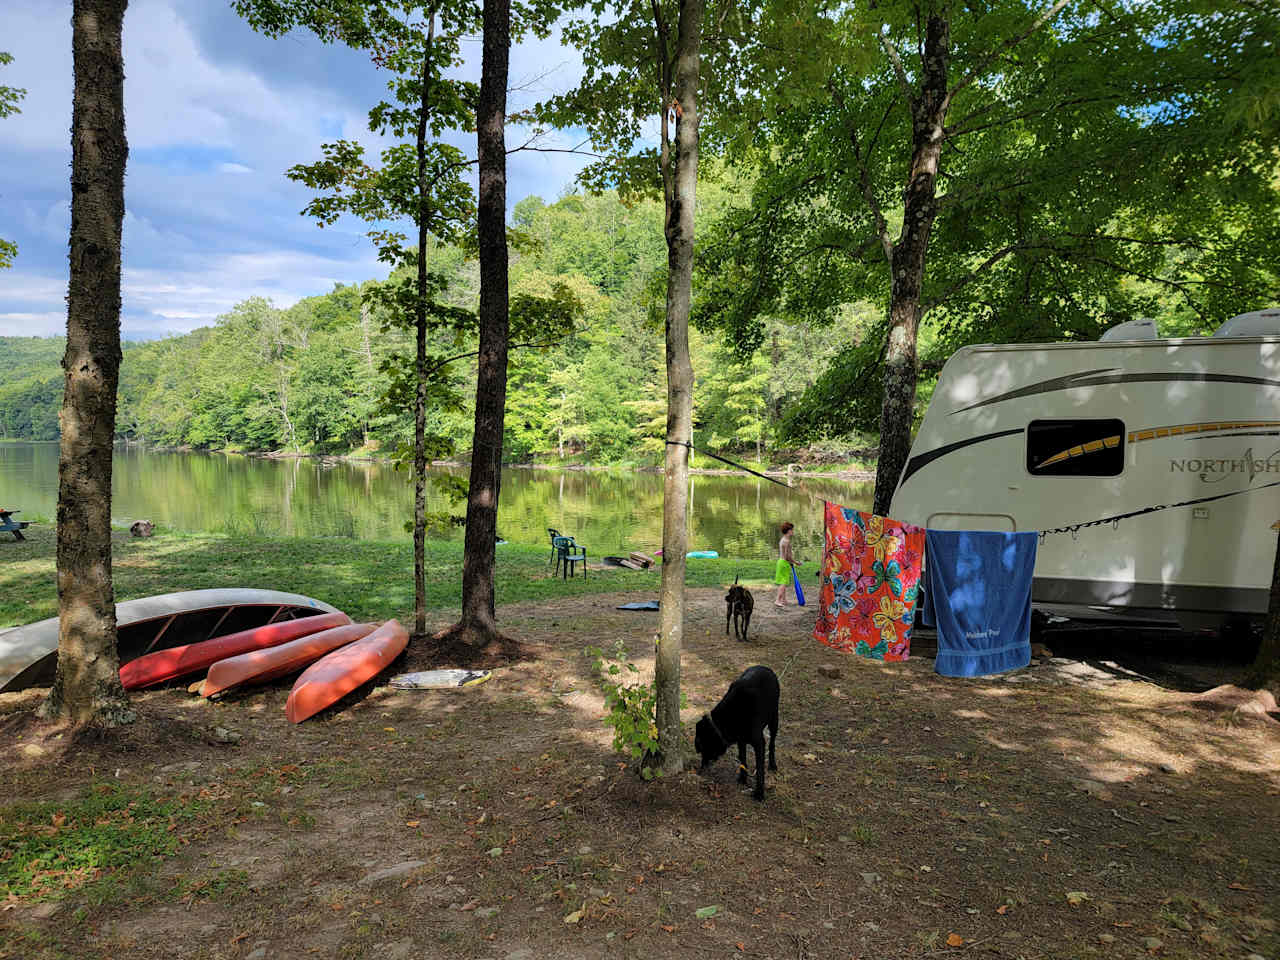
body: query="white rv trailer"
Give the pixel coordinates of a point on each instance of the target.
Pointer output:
(1174, 444)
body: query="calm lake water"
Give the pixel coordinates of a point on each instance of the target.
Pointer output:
(609, 512)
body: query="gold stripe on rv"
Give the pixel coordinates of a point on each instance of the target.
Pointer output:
(1080, 450)
(1153, 433)
(1216, 426)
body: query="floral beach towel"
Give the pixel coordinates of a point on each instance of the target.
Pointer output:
(870, 582)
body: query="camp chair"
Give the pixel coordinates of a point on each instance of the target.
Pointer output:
(568, 555)
(554, 534)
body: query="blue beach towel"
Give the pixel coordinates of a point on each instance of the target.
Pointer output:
(978, 594)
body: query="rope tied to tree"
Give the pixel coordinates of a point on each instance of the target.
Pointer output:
(744, 469)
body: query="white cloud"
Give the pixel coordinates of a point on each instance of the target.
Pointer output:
(32, 324)
(215, 114)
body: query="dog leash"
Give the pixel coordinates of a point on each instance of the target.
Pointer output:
(722, 737)
(786, 666)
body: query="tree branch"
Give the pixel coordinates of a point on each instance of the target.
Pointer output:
(973, 274)
(854, 253)
(1181, 287)
(864, 178)
(511, 346)
(973, 74)
(898, 70)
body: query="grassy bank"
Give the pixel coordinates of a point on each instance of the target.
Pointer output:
(367, 579)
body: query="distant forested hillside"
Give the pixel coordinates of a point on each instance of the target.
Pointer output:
(308, 378)
(30, 387)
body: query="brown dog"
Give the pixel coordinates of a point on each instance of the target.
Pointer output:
(739, 604)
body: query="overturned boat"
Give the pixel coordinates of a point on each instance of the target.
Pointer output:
(29, 654)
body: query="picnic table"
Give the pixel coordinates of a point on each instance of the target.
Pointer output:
(9, 525)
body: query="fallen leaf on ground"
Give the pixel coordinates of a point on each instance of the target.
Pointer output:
(411, 823)
(1077, 897)
(702, 913)
(955, 940)
(1002, 909)
(576, 915)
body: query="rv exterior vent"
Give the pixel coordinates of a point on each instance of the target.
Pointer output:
(1259, 323)
(1142, 329)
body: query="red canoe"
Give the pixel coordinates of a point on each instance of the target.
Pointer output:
(176, 662)
(259, 666)
(327, 681)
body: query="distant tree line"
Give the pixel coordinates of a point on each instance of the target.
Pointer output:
(309, 378)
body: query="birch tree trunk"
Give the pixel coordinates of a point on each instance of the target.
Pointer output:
(928, 113)
(420, 353)
(478, 625)
(87, 686)
(679, 180)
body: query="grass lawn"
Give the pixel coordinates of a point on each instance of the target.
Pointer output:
(366, 579)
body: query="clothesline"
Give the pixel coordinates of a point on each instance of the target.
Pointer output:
(737, 466)
(1072, 529)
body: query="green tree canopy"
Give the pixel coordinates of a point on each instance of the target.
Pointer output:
(1060, 198)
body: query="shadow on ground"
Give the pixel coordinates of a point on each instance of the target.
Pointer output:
(1026, 816)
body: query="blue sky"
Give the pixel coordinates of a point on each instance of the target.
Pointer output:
(215, 114)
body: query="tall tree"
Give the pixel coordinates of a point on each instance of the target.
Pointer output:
(621, 42)
(9, 98)
(423, 183)
(972, 161)
(477, 625)
(87, 684)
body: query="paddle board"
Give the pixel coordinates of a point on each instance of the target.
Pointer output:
(433, 679)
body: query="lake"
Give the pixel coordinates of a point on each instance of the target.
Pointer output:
(608, 512)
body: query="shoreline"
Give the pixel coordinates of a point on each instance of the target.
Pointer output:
(854, 474)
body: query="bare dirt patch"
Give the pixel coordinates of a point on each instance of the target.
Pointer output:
(1030, 816)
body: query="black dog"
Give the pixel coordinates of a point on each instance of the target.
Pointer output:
(740, 717)
(739, 605)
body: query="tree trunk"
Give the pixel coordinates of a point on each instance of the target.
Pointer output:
(680, 179)
(87, 684)
(928, 112)
(478, 625)
(1266, 667)
(420, 357)
(371, 368)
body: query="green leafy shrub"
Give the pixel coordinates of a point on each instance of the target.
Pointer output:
(630, 710)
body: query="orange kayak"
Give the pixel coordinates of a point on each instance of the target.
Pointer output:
(259, 666)
(327, 681)
(176, 662)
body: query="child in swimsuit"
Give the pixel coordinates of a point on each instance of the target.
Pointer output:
(782, 572)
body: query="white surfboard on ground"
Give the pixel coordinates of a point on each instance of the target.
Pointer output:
(435, 679)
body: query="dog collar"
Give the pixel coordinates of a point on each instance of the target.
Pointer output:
(723, 739)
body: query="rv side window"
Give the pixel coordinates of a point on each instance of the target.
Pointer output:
(1075, 448)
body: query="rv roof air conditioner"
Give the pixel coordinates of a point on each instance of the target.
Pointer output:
(1259, 323)
(1143, 329)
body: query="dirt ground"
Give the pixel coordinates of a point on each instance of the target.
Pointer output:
(1068, 810)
